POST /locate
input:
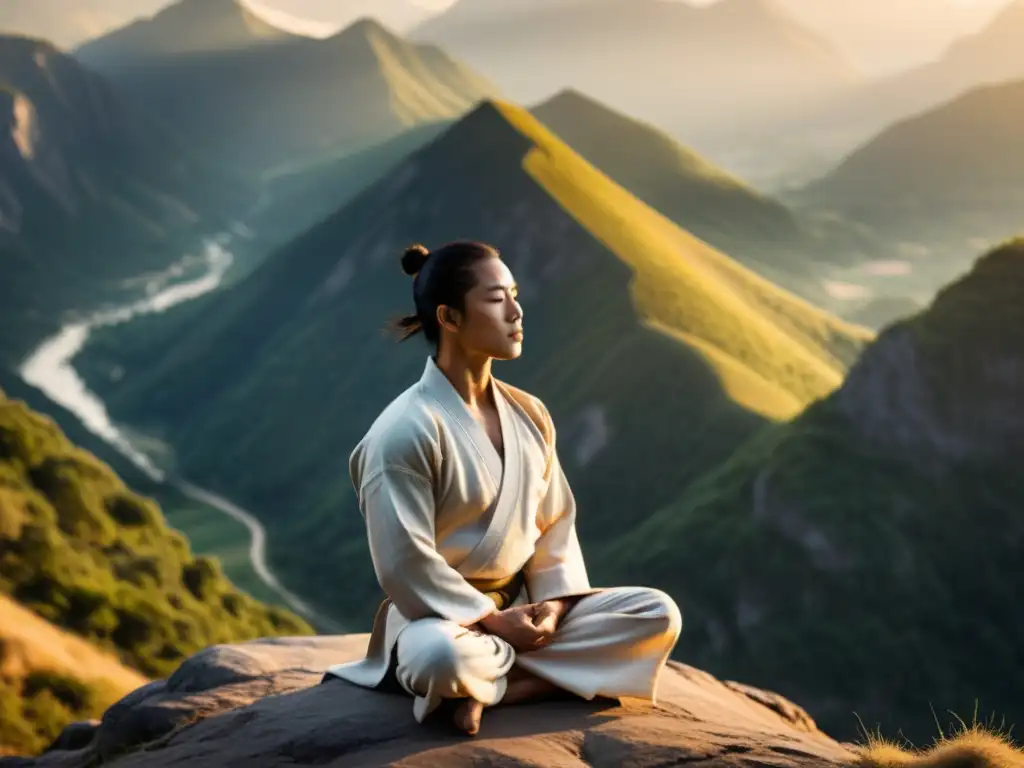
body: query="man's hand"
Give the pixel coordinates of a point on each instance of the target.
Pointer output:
(516, 627)
(528, 627)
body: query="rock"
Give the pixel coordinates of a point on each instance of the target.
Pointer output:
(75, 736)
(261, 703)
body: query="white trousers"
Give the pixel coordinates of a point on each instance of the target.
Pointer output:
(612, 643)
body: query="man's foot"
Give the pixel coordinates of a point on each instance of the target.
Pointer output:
(523, 687)
(468, 716)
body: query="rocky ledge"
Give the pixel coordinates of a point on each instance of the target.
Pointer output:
(261, 704)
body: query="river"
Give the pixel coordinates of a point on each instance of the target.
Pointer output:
(49, 368)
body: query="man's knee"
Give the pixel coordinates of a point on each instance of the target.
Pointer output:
(658, 604)
(428, 653)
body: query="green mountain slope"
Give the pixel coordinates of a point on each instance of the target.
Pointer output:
(259, 100)
(50, 678)
(266, 390)
(91, 192)
(864, 558)
(91, 556)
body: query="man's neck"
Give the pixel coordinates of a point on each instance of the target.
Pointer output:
(470, 377)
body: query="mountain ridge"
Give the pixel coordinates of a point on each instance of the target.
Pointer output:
(573, 45)
(243, 104)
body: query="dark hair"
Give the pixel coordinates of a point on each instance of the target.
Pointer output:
(440, 277)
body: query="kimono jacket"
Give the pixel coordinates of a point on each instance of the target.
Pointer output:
(440, 508)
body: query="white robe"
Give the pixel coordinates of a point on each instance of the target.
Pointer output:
(442, 507)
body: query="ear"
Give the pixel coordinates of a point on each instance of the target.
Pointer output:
(448, 318)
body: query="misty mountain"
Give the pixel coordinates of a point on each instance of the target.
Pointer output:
(949, 178)
(91, 191)
(673, 64)
(874, 33)
(990, 56)
(185, 28)
(794, 250)
(399, 15)
(256, 97)
(303, 332)
(67, 24)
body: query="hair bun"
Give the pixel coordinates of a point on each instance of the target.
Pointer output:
(414, 258)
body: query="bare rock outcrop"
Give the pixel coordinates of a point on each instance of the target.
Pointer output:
(262, 704)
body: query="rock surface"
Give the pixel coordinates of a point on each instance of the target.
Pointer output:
(260, 703)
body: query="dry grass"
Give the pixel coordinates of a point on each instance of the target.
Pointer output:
(29, 643)
(969, 746)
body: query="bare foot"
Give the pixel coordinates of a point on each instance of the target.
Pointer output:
(468, 716)
(524, 686)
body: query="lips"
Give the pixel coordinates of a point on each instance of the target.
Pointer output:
(516, 335)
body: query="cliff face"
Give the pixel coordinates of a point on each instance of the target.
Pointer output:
(945, 389)
(261, 703)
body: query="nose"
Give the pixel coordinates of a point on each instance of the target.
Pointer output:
(517, 312)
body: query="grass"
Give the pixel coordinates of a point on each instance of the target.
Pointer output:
(93, 557)
(50, 678)
(964, 746)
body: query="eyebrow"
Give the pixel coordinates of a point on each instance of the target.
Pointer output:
(499, 287)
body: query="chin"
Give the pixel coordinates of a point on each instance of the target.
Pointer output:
(511, 352)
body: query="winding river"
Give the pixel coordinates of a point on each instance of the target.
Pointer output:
(49, 368)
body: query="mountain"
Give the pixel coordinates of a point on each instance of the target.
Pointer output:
(863, 556)
(88, 555)
(188, 27)
(948, 177)
(49, 679)
(685, 76)
(988, 57)
(259, 98)
(91, 192)
(66, 25)
(720, 350)
(793, 250)
(400, 15)
(874, 33)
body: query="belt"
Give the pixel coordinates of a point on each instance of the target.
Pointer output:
(502, 591)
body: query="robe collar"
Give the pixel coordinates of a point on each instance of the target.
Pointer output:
(507, 479)
(443, 391)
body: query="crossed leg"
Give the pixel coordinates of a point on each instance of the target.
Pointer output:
(612, 643)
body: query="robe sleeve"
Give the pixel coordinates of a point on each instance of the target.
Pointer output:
(556, 568)
(398, 505)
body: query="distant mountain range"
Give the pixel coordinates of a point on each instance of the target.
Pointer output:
(738, 351)
(862, 557)
(794, 250)
(990, 56)
(874, 33)
(244, 91)
(948, 179)
(674, 64)
(67, 24)
(91, 191)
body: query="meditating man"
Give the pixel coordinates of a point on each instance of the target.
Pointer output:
(471, 524)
